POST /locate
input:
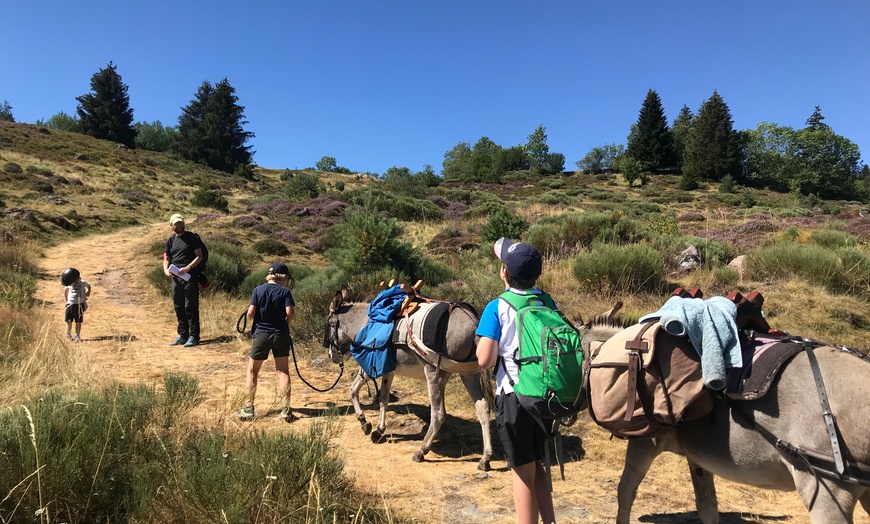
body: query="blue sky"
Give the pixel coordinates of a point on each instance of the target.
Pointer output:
(376, 84)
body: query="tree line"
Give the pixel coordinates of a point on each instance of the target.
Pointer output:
(702, 147)
(813, 160)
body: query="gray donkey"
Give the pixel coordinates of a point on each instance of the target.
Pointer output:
(347, 318)
(780, 441)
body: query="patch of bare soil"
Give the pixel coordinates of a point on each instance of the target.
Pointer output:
(126, 334)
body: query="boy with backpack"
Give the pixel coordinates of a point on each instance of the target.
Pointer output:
(522, 435)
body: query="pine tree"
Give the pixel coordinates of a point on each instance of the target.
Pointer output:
(210, 129)
(105, 113)
(712, 148)
(6, 112)
(814, 122)
(652, 144)
(538, 150)
(680, 132)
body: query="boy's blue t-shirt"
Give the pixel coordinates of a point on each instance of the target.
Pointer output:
(271, 301)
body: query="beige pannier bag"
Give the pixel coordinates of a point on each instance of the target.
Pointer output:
(644, 381)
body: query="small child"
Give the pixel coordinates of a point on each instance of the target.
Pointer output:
(75, 292)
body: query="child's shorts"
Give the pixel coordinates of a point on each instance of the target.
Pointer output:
(278, 343)
(522, 438)
(74, 313)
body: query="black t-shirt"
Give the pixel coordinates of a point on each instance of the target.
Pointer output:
(271, 301)
(181, 249)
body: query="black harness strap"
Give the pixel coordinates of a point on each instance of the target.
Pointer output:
(826, 407)
(830, 466)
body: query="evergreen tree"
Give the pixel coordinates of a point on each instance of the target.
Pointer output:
(105, 113)
(210, 129)
(712, 148)
(538, 150)
(652, 144)
(814, 122)
(6, 112)
(680, 132)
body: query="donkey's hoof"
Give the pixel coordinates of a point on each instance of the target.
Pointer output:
(377, 436)
(366, 427)
(483, 465)
(418, 456)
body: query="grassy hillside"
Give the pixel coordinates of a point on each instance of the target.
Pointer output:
(56, 184)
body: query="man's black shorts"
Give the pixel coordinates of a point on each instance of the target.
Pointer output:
(74, 313)
(521, 436)
(278, 343)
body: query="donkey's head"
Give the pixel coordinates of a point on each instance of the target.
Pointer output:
(337, 337)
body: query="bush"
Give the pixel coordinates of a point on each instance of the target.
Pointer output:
(205, 196)
(832, 239)
(405, 208)
(270, 246)
(568, 233)
(485, 209)
(785, 260)
(622, 269)
(502, 223)
(302, 185)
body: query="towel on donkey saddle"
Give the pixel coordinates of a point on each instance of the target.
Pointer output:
(711, 327)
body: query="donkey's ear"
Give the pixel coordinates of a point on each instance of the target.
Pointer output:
(336, 302)
(343, 293)
(611, 315)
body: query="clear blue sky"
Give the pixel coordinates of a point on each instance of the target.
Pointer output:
(381, 83)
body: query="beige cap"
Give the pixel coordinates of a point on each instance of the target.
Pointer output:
(175, 218)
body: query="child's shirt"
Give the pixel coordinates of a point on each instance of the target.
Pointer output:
(76, 292)
(498, 322)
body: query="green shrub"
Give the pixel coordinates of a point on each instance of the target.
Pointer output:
(270, 246)
(484, 210)
(725, 277)
(832, 239)
(663, 224)
(810, 262)
(623, 269)
(17, 288)
(502, 223)
(12, 168)
(404, 208)
(302, 185)
(339, 186)
(205, 196)
(856, 266)
(565, 234)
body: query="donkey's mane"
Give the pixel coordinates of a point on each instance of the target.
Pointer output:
(605, 320)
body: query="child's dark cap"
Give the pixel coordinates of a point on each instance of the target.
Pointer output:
(523, 262)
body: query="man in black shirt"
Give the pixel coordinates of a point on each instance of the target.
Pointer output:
(182, 254)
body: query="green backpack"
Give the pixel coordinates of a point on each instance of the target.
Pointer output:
(549, 358)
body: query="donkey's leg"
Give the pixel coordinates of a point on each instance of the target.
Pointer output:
(705, 494)
(828, 502)
(355, 386)
(638, 458)
(865, 501)
(437, 412)
(383, 403)
(481, 406)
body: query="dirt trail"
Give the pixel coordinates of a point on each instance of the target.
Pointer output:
(126, 334)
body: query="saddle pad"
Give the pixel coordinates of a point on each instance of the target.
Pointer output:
(758, 373)
(428, 326)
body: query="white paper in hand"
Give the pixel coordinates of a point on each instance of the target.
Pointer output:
(177, 272)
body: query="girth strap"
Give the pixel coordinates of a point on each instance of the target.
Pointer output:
(826, 407)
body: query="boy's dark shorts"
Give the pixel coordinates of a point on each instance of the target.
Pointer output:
(522, 438)
(278, 343)
(74, 313)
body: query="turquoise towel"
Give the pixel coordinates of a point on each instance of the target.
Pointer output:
(711, 327)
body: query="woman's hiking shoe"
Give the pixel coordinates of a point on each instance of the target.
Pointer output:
(287, 415)
(246, 413)
(178, 341)
(192, 341)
